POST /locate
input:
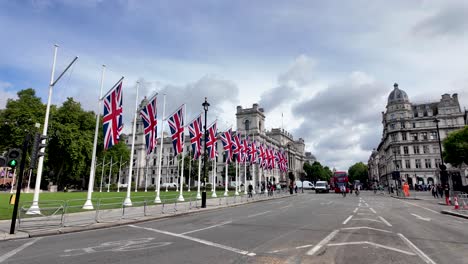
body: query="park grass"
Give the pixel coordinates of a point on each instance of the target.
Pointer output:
(105, 200)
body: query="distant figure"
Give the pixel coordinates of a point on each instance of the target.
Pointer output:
(295, 188)
(250, 190)
(406, 189)
(447, 194)
(434, 191)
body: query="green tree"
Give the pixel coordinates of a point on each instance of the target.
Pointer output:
(358, 171)
(327, 173)
(19, 118)
(456, 147)
(308, 171)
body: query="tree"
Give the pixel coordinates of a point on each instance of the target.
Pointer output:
(327, 173)
(456, 147)
(358, 171)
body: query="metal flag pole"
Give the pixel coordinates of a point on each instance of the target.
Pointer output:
(167, 170)
(226, 180)
(110, 175)
(89, 204)
(29, 180)
(190, 170)
(237, 179)
(128, 201)
(252, 162)
(34, 209)
(120, 169)
(102, 173)
(13, 181)
(214, 175)
(181, 195)
(146, 174)
(245, 167)
(158, 183)
(199, 173)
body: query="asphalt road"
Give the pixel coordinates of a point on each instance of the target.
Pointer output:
(309, 228)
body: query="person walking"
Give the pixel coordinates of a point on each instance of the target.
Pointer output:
(434, 191)
(250, 190)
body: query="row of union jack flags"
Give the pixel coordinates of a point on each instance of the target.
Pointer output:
(235, 148)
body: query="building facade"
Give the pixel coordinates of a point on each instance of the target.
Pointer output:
(250, 122)
(410, 143)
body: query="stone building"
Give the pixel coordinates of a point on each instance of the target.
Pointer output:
(410, 142)
(250, 122)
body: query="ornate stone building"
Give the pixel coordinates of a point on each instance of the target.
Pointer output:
(409, 141)
(250, 122)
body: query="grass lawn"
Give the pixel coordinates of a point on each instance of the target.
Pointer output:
(107, 199)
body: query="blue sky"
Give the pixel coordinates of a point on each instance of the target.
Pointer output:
(328, 66)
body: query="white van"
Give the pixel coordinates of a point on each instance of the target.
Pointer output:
(307, 185)
(321, 186)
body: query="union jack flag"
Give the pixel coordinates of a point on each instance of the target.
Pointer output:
(150, 123)
(176, 124)
(253, 152)
(196, 134)
(246, 149)
(211, 143)
(226, 138)
(112, 119)
(261, 156)
(237, 148)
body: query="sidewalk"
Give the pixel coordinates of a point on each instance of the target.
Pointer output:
(33, 226)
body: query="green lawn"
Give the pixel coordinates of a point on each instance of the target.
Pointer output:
(75, 200)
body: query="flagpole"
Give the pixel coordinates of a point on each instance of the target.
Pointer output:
(102, 173)
(146, 174)
(213, 194)
(110, 175)
(128, 201)
(253, 166)
(226, 180)
(120, 169)
(137, 178)
(237, 180)
(190, 170)
(158, 184)
(167, 172)
(181, 195)
(199, 172)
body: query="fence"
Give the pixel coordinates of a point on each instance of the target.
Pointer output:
(57, 214)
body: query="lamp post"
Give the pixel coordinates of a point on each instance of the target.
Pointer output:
(443, 175)
(205, 108)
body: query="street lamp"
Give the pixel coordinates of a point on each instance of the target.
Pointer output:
(205, 108)
(443, 177)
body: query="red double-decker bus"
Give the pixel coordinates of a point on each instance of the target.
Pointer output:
(339, 179)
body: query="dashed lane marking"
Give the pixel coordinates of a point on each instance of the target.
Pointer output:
(262, 213)
(385, 221)
(209, 227)
(422, 218)
(323, 242)
(373, 244)
(373, 210)
(366, 219)
(347, 219)
(365, 227)
(355, 210)
(14, 251)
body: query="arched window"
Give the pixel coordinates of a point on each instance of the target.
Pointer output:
(247, 125)
(260, 125)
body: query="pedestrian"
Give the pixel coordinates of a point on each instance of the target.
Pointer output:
(295, 188)
(434, 191)
(250, 190)
(406, 189)
(440, 190)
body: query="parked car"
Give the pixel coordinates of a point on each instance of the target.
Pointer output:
(321, 186)
(307, 185)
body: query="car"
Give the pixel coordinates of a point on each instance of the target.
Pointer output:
(321, 187)
(307, 185)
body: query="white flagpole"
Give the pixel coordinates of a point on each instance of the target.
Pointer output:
(102, 172)
(120, 169)
(226, 181)
(253, 167)
(245, 166)
(146, 174)
(237, 180)
(167, 171)
(214, 176)
(158, 184)
(199, 172)
(181, 195)
(29, 180)
(13, 181)
(137, 179)
(190, 171)
(89, 204)
(128, 201)
(110, 175)
(34, 209)
(177, 172)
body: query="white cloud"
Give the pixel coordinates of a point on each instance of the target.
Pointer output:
(5, 93)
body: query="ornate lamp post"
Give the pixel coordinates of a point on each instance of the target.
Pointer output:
(205, 108)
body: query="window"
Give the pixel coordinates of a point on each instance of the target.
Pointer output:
(392, 126)
(415, 114)
(152, 181)
(405, 150)
(402, 124)
(154, 162)
(403, 137)
(435, 149)
(425, 149)
(416, 149)
(247, 125)
(437, 163)
(433, 135)
(428, 163)
(407, 164)
(414, 125)
(414, 136)
(393, 137)
(418, 163)
(397, 150)
(424, 135)
(154, 172)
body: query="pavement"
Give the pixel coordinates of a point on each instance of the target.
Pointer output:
(307, 228)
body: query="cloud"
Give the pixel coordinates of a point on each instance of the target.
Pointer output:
(5, 93)
(450, 20)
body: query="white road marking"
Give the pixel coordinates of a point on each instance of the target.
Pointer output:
(201, 241)
(285, 207)
(420, 206)
(323, 242)
(14, 251)
(385, 221)
(422, 218)
(359, 204)
(373, 244)
(364, 214)
(366, 227)
(305, 246)
(209, 227)
(262, 213)
(347, 219)
(372, 209)
(355, 210)
(421, 254)
(367, 204)
(366, 219)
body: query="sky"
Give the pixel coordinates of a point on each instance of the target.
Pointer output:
(327, 67)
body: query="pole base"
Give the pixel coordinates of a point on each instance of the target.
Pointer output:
(237, 193)
(198, 196)
(203, 201)
(157, 199)
(34, 209)
(181, 198)
(226, 194)
(127, 201)
(213, 195)
(88, 205)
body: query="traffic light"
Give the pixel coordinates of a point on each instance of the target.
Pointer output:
(443, 173)
(13, 158)
(37, 146)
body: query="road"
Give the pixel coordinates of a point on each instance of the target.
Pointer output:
(308, 228)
